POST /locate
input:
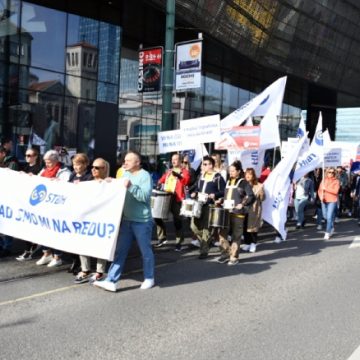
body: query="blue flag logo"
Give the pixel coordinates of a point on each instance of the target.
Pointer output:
(38, 195)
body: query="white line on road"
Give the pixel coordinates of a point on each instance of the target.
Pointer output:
(36, 295)
(355, 243)
(355, 355)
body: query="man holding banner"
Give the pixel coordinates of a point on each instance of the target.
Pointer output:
(136, 223)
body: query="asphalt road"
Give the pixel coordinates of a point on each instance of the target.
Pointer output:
(294, 300)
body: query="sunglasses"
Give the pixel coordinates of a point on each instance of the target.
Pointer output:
(331, 172)
(185, 162)
(29, 155)
(97, 167)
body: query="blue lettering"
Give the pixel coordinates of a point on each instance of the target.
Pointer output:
(6, 212)
(85, 227)
(44, 222)
(55, 199)
(103, 233)
(56, 225)
(77, 227)
(65, 228)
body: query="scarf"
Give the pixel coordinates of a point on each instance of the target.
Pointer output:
(51, 173)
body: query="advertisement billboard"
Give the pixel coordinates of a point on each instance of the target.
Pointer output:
(150, 65)
(188, 65)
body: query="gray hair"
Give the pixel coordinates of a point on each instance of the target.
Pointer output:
(52, 155)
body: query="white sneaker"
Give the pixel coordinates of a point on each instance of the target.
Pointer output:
(195, 243)
(336, 220)
(252, 248)
(327, 236)
(147, 284)
(26, 256)
(44, 260)
(106, 285)
(278, 240)
(245, 247)
(319, 227)
(55, 262)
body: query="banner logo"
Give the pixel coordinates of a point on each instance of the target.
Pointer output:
(319, 138)
(38, 195)
(300, 133)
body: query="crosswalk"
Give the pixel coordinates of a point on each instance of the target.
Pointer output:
(355, 244)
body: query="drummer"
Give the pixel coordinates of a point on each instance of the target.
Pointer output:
(173, 181)
(238, 196)
(209, 187)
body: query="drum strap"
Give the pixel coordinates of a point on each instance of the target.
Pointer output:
(231, 188)
(207, 178)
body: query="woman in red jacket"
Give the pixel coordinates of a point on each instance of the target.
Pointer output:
(328, 193)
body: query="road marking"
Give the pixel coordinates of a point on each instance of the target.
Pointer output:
(355, 355)
(33, 296)
(355, 243)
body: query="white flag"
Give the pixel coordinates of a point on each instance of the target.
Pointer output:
(258, 106)
(300, 133)
(313, 158)
(277, 190)
(327, 138)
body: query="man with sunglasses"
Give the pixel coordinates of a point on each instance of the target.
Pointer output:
(209, 187)
(174, 181)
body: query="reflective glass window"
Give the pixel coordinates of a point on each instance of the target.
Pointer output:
(46, 29)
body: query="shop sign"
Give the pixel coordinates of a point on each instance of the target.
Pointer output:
(188, 65)
(150, 64)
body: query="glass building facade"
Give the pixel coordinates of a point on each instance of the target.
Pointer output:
(68, 74)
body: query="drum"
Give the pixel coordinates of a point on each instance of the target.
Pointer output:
(190, 208)
(218, 217)
(160, 204)
(229, 204)
(203, 197)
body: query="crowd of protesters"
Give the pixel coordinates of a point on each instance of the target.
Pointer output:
(213, 191)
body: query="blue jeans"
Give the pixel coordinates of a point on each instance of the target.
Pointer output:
(6, 242)
(328, 210)
(319, 215)
(300, 210)
(142, 232)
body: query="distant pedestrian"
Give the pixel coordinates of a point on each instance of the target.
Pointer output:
(328, 194)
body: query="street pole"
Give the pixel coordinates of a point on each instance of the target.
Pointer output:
(167, 115)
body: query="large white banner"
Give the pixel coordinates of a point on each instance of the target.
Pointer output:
(81, 218)
(200, 130)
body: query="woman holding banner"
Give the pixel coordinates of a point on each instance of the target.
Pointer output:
(53, 169)
(328, 194)
(80, 163)
(100, 170)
